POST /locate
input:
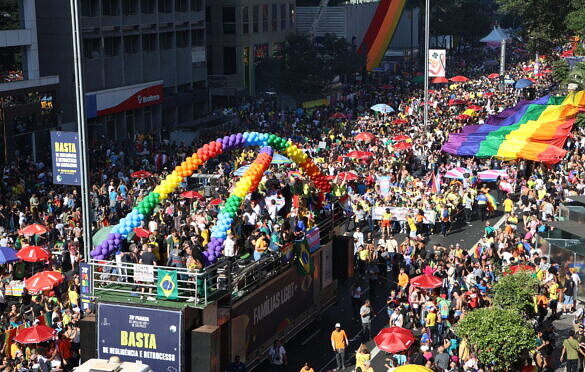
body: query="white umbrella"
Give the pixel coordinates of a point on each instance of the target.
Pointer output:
(457, 173)
(492, 174)
(383, 108)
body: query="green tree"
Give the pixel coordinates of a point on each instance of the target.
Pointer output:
(516, 292)
(498, 336)
(577, 76)
(575, 20)
(560, 70)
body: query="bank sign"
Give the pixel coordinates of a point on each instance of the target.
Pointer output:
(125, 98)
(139, 334)
(65, 158)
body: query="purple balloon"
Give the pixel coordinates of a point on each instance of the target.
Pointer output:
(220, 140)
(117, 236)
(117, 241)
(211, 257)
(104, 251)
(99, 257)
(206, 253)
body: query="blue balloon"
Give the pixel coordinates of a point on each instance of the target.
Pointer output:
(140, 216)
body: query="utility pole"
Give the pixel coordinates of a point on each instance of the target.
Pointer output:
(426, 63)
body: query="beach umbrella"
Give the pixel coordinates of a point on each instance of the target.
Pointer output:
(8, 254)
(522, 83)
(455, 102)
(34, 229)
(518, 268)
(474, 107)
(399, 121)
(241, 170)
(192, 195)
(141, 174)
(399, 138)
(383, 108)
(33, 253)
(365, 136)
(491, 174)
(43, 281)
(280, 159)
(412, 368)
(457, 173)
(338, 115)
(426, 281)
(394, 339)
(215, 202)
(402, 146)
(360, 154)
(141, 232)
(459, 79)
(462, 117)
(527, 68)
(493, 76)
(35, 334)
(439, 80)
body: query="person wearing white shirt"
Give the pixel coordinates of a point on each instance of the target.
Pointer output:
(229, 246)
(359, 236)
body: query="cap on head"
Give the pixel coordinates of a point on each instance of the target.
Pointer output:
(337, 325)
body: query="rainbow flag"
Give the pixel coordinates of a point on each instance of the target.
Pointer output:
(533, 130)
(380, 31)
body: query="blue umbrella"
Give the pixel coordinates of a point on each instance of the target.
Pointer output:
(279, 159)
(522, 83)
(383, 108)
(7, 254)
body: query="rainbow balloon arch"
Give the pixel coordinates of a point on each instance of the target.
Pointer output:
(245, 185)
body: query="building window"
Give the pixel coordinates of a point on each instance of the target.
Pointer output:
(112, 46)
(265, 18)
(165, 6)
(166, 40)
(182, 39)
(274, 17)
(129, 7)
(89, 8)
(282, 16)
(229, 60)
(196, 5)
(149, 42)
(131, 44)
(147, 6)
(110, 7)
(197, 37)
(181, 5)
(291, 12)
(228, 17)
(91, 48)
(245, 20)
(260, 53)
(255, 11)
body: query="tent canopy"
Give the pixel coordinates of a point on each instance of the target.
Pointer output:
(496, 36)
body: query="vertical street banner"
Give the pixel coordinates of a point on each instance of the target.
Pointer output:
(437, 62)
(85, 286)
(65, 158)
(140, 334)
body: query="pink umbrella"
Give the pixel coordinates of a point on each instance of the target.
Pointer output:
(426, 281)
(458, 173)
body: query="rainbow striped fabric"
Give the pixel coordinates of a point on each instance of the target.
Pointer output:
(380, 31)
(533, 130)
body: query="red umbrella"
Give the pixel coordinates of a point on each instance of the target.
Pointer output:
(459, 79)
(547, 71)
(360, 154)
(142, 233)
(426, 281)
(365, 136)
(43, 281)
(517, 268)
(527, 68)
(215, 202)
(401, 137)
(439, 80)
(462, 117)
(338, 115)
(493, 76)
(34, 229)
(192, 195)
(348, 176)
(539, 74)
(399, 121)
(455, 102)
(475, 107)
(141, 174)
(33, 253)
(488, 94)
(394, 339)
(34, 335)
(402, 146)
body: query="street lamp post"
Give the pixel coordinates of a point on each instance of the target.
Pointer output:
(81, 126)
(426, 63)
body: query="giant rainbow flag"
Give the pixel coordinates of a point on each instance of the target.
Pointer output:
(380, 31)
(534, 130)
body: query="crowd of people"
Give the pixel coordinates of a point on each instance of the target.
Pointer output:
(402, 150)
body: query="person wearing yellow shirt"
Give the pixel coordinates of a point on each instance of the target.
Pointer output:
(431, 323)
(508, 205)
(411, 225)
(553, 296)
(403, 280)
(307, 368)
(362, 355)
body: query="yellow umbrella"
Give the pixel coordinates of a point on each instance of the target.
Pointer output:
(412, 368)
(470, 112)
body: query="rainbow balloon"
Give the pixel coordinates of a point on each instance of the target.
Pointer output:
(247, 183)
(380, 31)
(533, 130)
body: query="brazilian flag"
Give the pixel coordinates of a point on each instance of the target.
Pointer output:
(304, 259)
(167, 287)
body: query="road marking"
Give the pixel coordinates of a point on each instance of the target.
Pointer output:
(310, 337)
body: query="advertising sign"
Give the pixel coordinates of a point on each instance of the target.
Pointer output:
(85, 286)
(125, 98)
(144, 273)
(65, 153)
(270, 310)
(139, 334)
(437, 62)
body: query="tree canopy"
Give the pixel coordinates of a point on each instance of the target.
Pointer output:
(516, 292)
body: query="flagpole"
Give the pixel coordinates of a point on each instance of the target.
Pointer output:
(426, 62)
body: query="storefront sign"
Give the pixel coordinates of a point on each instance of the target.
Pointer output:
(65, 158)
(126, 98)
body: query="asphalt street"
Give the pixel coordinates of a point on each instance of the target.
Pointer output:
(313, 344)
